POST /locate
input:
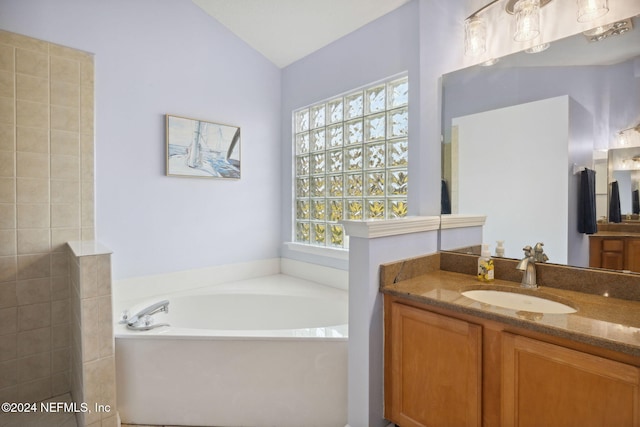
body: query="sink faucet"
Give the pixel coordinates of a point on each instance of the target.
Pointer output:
(142, 321)
(528, 264)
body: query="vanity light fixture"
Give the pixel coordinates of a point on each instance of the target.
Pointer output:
(603, 31)
(527, 20)
(588, 10)
(623, 137)
(539, 48)
(475, 36)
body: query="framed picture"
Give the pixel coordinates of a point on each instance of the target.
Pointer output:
(202, 149)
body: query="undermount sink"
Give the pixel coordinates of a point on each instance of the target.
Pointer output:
(518, 301)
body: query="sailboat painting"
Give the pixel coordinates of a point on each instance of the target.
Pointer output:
(202, 149)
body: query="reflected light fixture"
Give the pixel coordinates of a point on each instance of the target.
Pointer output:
(527, 20)
(475, 36)
(588, 10)
(539, 48)
(623, 137)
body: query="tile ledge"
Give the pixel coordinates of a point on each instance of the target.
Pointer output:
(82, 248)
(380, 228)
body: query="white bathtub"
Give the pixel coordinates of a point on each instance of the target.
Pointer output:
(269, 351)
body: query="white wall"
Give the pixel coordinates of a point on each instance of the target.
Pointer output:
(513, 166)
(155, 57)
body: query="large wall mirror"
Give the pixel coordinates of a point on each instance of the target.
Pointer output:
(517, 134)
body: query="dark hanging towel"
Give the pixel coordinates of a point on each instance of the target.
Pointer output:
(445, 202)
(614, 203)
(587, 202)
(636, 201)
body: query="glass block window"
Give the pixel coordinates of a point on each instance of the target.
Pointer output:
(351, 157)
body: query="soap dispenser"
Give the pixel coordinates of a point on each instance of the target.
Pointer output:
(500, 248)
(485, 265)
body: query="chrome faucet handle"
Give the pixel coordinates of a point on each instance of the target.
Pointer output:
(539, 254)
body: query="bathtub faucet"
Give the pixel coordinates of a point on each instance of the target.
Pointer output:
(142, 320)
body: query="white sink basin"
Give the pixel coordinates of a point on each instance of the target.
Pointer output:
(516, 301)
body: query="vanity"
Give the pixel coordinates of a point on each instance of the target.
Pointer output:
(453, 361)
(616, 246)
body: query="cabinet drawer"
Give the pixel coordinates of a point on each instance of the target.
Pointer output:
(612, 245)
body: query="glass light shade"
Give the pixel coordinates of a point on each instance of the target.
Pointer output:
(588, 10)
(475, 36)
(622, 139)
(527, 20)
(539, 48)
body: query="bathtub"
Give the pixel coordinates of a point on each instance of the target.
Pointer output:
(268, 351)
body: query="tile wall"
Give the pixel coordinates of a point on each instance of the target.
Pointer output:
(46, 199)
(93, 375)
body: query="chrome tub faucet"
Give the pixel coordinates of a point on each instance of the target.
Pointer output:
(142, 320)
(528, 265)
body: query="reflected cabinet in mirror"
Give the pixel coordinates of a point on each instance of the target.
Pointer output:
(518, 135)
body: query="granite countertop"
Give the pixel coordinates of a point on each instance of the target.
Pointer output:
(601, 321)
(616, 234)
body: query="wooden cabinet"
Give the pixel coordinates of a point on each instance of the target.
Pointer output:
(616, 253)
(449, 369)
(548, 385)
(435, 369)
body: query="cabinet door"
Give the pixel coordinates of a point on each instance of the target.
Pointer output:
(436, 369)
(633, 255)
(548, 385)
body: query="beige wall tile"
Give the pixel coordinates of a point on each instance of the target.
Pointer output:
(64, 118)
(7, 83)
(32, 114)
(35, 391)
(60, 360)
(65, 167)
(63, 142)
(69, 52)
(7, 216)
(32, 63)
(104, 275)
(60, 385)
(35, 140)
(33, 241)
(33, 165)
(33, 291)
(8, 320)
(87, 71)
(67, 192)
(60, 236)
(8, 373)
(87, 167)
(61, 336)
(87, 144)
(86, 120)
(8, 347)
(32, 190)
(7, 190)
(59, 264)
(65, 94)
(65, 70)
(7, 110)
(34, 341)
(9, 394)
(60, 311)
(34, 367)
(24, 42)
(7, 164)
(65, 216)
(60, 286)
(8, 268)
(7, 137)
(8, 296)
(7, 58)
(34, 215)
(88, 276)
(88, 233)
(8, 243)
(33, 266)
(29, 88)
(34, 316)
(105, 326)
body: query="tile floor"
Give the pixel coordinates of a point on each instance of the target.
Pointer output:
(41, 419)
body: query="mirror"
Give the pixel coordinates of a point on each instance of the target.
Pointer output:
(517, 134)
